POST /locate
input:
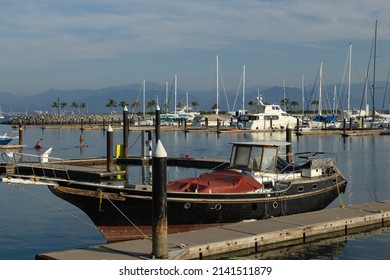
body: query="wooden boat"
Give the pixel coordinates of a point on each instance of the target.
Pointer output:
(259, 183)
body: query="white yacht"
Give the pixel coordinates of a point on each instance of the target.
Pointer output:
(266, 117)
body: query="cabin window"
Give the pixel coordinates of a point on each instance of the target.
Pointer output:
(269, 159)
(242, 156)
(255, 159)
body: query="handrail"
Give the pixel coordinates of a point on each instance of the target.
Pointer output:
(35, 163)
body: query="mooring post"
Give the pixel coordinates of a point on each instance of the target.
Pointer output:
(157, 123)
(289, 139)
(125, 132)
(206, 121)
(20, 133)
(218, 126)
(159, 203)
(110, 160)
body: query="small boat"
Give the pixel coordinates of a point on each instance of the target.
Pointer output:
(259, 183)
(6, 139)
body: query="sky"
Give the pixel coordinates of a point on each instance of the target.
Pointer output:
(90, 44)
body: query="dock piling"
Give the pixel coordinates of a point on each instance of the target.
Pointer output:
(288, 139)
(125, 132)
(159, 203)
(158, 123)
(20, 134)
(110, 160)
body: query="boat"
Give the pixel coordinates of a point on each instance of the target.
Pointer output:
(260, 182)
(266, 117)
(5, 139)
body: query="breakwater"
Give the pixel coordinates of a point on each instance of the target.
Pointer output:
(63, 119)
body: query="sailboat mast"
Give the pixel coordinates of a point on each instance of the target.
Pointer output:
(349, 77)
(373, 73)
(166, 98)
(217, 109)
(143, 97)
(243, 89)
(175, 92)
(320, 93)
(284, 95)
(303, 95)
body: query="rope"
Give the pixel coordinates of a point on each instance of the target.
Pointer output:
(56, 207)
(143, 235)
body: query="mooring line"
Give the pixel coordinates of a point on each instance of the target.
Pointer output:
(56, 207)
(123, 214)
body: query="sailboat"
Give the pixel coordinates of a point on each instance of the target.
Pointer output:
(320, 121)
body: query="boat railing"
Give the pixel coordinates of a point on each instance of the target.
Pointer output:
(41, 166)
(311, 160)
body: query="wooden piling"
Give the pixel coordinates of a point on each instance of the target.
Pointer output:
(110, 160)
(288, 139)
(20, 134)
(157, 123)
(159, 203)
(125, 132)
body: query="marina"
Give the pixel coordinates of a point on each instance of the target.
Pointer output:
(219, 142)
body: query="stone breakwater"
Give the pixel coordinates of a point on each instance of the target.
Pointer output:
(62, 119)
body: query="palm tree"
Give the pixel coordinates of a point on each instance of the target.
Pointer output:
(75, 105)
(151, 104)
(315, 103)
(194, 104)
(123, 104)
(180, 105)
(54, 105)
(82, 105)
(135, 105)
(111, 104)
(285, 102)
(63, 105)
(251, 103)
(294, 104)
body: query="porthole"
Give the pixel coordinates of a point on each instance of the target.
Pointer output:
(187, 205)
(275, 204)
(301, 189)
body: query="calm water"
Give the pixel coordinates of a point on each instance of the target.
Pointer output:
(32, 220)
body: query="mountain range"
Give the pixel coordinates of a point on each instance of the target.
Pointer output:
(97, 99)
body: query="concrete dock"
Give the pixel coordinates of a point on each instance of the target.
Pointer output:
(251, 235)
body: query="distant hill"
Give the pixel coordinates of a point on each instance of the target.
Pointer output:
(97, 99)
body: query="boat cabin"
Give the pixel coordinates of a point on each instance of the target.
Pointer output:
(256, 156)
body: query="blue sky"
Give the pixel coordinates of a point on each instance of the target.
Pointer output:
(73, 44)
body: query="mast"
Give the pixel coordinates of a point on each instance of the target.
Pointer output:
(243, 89)
(217, 109)
(349, 77)
(284, 95)
(373, 73)
(175, 92)
(320, 93)
(143, 96)
(303, 96)
(166, 98)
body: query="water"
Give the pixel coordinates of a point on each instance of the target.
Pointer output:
(32, 220)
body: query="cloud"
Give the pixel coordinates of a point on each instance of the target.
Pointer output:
(44, 33)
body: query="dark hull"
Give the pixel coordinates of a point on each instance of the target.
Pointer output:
(126, 213)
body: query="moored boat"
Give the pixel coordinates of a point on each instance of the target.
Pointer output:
(259, 183)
